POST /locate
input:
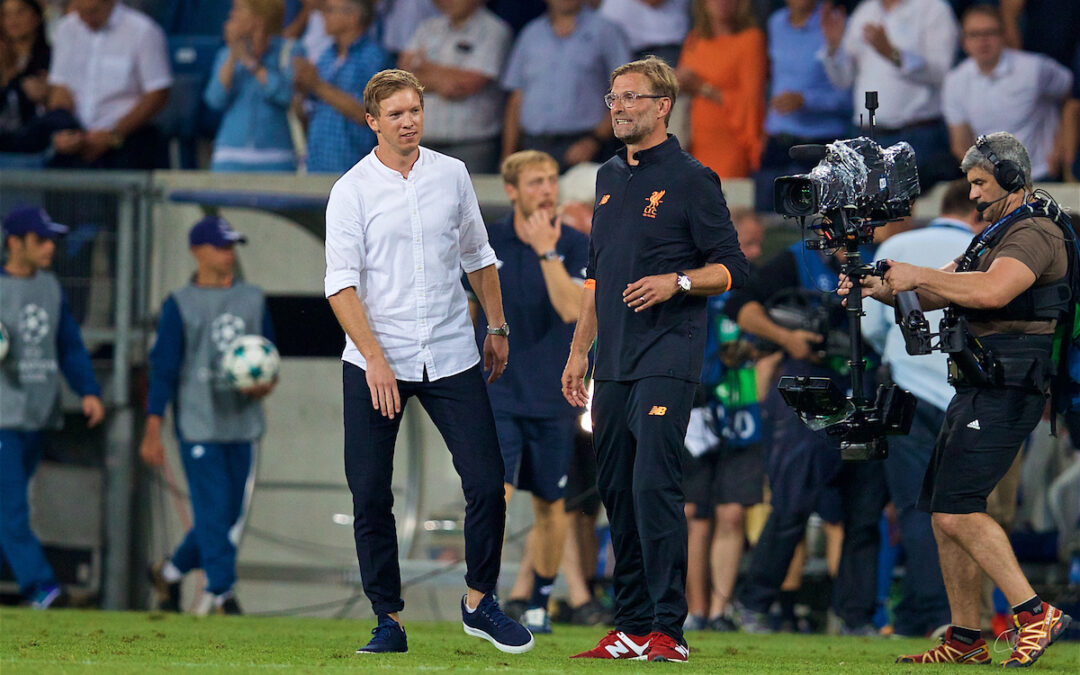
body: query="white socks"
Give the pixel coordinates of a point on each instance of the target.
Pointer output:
(171, 573)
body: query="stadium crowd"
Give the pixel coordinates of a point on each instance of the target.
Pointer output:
(280, 87)
(277, 84)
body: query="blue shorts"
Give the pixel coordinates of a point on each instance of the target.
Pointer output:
(536, 452)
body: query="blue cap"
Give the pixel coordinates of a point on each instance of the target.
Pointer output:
(216, 231)
(26, 219)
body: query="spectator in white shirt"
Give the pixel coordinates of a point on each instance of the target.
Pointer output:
(401, 225)
(458, 56)
(902, 49)
(400, 20)
(1001, 89)
(110, 69)
(656, 27)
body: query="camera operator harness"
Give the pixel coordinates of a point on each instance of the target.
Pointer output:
(1000, 360)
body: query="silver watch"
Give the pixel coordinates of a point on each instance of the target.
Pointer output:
(503, 330)
(683, 282)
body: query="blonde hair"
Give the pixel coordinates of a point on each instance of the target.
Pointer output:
(660, 75)
(513, 165)
(744, 18)
(271, 12)
(385, 84)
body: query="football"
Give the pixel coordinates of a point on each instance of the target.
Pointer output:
(250, 360)
(5, 342)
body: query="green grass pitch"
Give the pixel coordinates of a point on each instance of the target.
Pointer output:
(69, 641)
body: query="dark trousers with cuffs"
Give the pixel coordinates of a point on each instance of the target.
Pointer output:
(638, 430)
(460, 409)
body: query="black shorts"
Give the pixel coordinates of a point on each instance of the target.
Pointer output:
(724, 476)
(983, 431)
(582, 495)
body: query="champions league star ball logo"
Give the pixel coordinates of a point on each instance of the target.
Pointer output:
(33, 324)
(225, 329)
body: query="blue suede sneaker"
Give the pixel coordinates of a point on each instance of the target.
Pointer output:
(386, 638)
(488, 621)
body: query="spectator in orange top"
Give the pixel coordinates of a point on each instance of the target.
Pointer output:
(723, 67)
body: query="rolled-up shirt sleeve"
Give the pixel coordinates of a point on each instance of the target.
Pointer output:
(153, 62)
(345, 251)
(62, 69)
(476, 252)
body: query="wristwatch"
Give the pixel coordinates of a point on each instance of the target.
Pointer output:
(682, 282)
(551, 255)
(503, 330)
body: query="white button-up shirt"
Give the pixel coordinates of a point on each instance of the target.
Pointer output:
(924, 32)
(109, 70)
(1023, 95)
(402, 244)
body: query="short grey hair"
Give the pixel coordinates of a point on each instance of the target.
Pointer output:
(1006, 147)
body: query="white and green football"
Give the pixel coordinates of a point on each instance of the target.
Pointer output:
(250, 360)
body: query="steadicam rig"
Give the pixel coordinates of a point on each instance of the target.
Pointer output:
(856, 186)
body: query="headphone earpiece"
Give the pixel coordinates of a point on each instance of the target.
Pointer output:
(1007, 173)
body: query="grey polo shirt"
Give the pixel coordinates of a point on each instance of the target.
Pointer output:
(563, 80)
(481, 45)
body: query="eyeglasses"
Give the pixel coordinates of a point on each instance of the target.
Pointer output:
(628, 98)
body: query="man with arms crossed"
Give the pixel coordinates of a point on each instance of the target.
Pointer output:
(400, 227)
(662, 240)
(999, 285)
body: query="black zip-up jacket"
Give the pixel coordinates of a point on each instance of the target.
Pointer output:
(667, 214)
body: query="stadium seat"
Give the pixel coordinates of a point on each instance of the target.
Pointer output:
(185, 119)
(18, 160)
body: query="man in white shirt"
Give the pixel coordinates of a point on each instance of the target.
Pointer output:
(923, 606)
(401, 225)
(902, 49)
(458, 57)
(999, 89)
(110, 69)
(656, 27)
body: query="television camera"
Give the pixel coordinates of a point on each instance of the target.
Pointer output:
(855, 187)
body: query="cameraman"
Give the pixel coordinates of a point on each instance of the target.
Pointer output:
(986, 421)
(803, 465)
(923, 605)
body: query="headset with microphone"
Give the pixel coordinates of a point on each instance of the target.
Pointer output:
(1007, 173)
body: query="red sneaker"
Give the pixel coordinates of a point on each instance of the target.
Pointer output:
(663, 647)
(618, 645)
(1034, 633)
(952, 651)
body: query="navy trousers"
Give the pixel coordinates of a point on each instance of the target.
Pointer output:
(460, 408)
(638, 431)
(217, 476)
(20, 452)
(923, 605)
